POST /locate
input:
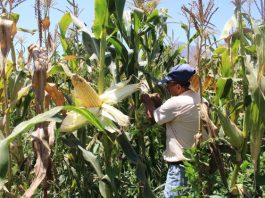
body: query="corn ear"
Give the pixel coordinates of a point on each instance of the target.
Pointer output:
(72, 122)
(234, 134)
(83, 93)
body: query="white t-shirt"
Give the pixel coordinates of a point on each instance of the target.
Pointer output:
(181, 116)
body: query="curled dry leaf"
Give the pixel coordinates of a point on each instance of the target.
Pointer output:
(45, 23)
(55, 94)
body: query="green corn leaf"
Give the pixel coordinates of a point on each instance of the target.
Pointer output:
(16, 82)
(256, 128)
(255, 124)
(194, 36)
(64, 23)
(127, 148)
(259, 39)
(101, 17)
(223, 88)
(4, 155)
(233, 133)
(55, 69)
(119, 6)
(91, 43)
(147, 190)
(23, 126)
(32, 32)
(120, 49)
(104, 188)
(154, 15)
(87, 114)
(18, 130)
(257, 90)
(92, 159)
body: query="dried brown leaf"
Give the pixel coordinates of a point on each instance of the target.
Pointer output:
(42, 152)
(5, 41)
(45, 23)
(55, 94)
(208, 81)
(195, 82)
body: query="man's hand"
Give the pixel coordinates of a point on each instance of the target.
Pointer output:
(155, 97)
(151, 101)
(145, 98)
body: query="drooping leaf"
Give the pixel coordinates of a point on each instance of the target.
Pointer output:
(104, 188)
(127, 148)
(23, 126)
(256, 90)
(18, 130)
(92, 159)
(89, 39)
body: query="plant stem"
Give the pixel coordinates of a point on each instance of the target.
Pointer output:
(102, 61)
(234, 176)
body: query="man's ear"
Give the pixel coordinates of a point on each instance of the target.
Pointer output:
(178, 86)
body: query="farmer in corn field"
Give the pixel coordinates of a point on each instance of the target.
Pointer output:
(180, 114)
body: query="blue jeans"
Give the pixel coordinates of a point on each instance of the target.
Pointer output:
(175, 178)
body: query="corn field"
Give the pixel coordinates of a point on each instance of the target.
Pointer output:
(72, 123)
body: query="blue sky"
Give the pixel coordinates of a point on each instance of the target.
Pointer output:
(28, 20)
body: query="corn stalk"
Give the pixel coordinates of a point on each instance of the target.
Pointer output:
(238, 15)
(41, 137)
(5, 44)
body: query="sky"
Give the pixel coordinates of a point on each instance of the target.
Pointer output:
(27, 17)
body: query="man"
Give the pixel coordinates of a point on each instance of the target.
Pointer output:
(181, 116)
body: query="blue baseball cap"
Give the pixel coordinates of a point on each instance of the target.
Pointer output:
(180, 73)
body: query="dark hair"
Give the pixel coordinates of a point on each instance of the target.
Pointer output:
(184, 84)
